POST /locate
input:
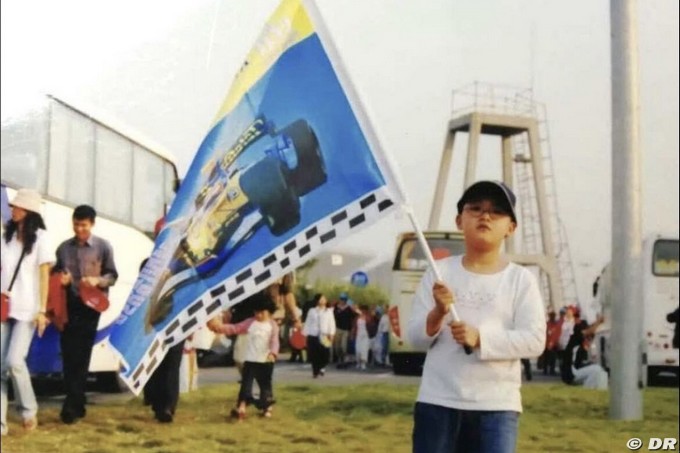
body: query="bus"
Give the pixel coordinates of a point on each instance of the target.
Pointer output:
(659, 270)
(408, 268)
(71, 158)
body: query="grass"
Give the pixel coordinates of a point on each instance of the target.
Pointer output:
(359, 418)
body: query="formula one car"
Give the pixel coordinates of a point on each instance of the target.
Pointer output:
(237, 201)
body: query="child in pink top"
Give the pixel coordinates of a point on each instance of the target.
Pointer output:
(262, 348)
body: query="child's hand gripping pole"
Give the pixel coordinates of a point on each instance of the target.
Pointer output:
(433, 264)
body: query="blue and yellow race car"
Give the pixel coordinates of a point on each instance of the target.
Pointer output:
(238, 200)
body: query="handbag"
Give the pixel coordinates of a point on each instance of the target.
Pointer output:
(93, 297)
(298, 339)
(56, 302)
(4, 307)
(4, 299)
(325, 341)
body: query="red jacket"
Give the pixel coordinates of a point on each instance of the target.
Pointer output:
(553, 332)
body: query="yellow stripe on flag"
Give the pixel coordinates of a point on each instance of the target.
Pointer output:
(288, 25)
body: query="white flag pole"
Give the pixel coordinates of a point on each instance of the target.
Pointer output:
(428, 252)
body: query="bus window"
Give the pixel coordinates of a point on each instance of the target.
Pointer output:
(410, 256)
(148, 190)
(113, 175)
(71, 156)
(171, 184)
(24, 150)
(665, 258)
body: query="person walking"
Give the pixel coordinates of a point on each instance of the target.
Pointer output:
(85, 262)
(161, 391)
(344, 320)
(319, 328)
(262, 348)
(384, 336)
(362, 337)
(26, 256)
(553, 332)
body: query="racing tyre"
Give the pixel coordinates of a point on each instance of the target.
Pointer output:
(310, 171)
(265, 186)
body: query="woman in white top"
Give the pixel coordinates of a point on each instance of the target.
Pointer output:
(319, 329)
(362, 341)
(25, 256)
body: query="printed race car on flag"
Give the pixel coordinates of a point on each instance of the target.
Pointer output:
(290, 166)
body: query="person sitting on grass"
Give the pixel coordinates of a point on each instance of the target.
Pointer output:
(577, 368)
(261, 350)
(591, 374)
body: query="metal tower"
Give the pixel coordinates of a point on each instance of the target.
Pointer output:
(521, 123)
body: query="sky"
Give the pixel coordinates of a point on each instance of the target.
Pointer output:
(163, 68)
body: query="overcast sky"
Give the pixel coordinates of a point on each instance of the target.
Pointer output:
(164, 67)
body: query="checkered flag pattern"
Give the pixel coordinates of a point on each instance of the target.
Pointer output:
(260, 273)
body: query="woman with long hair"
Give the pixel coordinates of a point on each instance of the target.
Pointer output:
(25, 256)
(319, 329)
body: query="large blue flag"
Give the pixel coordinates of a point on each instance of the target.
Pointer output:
(290, 166)
(4, 205)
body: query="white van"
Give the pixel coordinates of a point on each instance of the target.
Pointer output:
(659, 270)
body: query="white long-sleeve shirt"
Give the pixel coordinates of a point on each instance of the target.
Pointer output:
(508, 310)
(319, 322)
(262, 339)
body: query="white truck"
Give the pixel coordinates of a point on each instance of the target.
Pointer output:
(659, 270)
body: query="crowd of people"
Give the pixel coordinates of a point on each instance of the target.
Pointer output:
(336, 331)
(568, 349)
(469, 393)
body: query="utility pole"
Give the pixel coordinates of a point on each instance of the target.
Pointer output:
(625, 397)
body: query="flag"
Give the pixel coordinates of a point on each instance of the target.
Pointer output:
(290, 166)
(5, 210)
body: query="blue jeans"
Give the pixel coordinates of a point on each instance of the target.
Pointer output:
(15, 339)
(439, 429)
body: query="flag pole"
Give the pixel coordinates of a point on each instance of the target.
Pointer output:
(384, 159)
(427, 251)
(433, 264)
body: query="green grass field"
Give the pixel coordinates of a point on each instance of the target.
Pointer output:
(315, 418)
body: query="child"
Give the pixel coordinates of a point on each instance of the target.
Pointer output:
(262, 348)
(294, 339)
(472, 402)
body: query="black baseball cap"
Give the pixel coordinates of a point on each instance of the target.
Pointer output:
(490, 190)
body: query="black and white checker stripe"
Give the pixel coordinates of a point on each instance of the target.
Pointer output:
(261, 272)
